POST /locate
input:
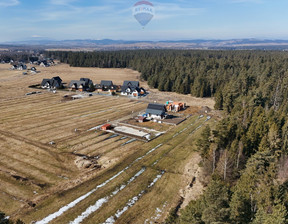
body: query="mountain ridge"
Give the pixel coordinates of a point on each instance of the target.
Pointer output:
(106, 44)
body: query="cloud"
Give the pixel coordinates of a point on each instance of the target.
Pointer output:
(246, 1)
(36, 36)
(7, 3)
(62, 2)
(72, 12)
(168, 10)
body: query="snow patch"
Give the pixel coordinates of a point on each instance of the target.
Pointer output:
(72, 204)
(93, 208)
(131, 202)
(90, 210)
(95, 128)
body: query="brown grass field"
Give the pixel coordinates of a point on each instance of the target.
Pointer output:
(37, 179)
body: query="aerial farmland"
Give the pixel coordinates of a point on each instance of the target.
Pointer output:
(57, 166)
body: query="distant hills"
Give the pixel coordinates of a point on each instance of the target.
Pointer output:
(108, 44)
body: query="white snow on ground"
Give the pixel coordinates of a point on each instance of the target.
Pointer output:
(53, 216)
(100, 202)
(152, 150)
(95, 128)
(158, 213)
(110, 220)
(75, 202)
(155, 163)
(90, 210)
(131, 202)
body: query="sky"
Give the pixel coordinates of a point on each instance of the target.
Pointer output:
(113, 19)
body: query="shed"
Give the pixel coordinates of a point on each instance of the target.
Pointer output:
(106, 127)
(141, 119)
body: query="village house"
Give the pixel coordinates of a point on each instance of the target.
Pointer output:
(132, 88)
(131, 84)
(175, 106)
(156, 111)
(21, 67)
(54, 83)
(44, 64)
(106, 85)
(50, 62)
(82, 85)
(14, 67)
(114, 88)
(98, 87)
(33, 70)
(76, 85)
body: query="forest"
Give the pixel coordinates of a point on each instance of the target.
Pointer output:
(245, 158)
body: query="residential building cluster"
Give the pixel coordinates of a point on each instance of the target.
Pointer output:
(129, 88)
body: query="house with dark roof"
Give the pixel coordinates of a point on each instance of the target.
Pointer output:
(156, 111)
(44, 64)
(126, 90)
(114, 88)
(87, 81)
(131, 83)
(14, 67)
(139, 91)
(106, 85)
(132, 88)
(82, 85)
(54, 83)
(98, 87)
(21, 67)
(76, 85)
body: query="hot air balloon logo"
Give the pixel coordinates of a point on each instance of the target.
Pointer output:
(143, 11)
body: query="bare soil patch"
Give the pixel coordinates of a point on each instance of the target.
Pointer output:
(194, 187)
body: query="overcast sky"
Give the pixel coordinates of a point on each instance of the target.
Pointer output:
(113, 19)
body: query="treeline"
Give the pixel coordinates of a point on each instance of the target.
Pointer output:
(17, 57)
(246, 155)
(200, 73)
